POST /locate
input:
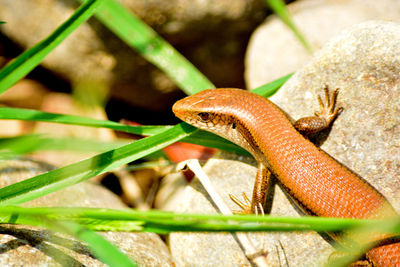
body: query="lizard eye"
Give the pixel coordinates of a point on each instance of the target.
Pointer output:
(204, 116)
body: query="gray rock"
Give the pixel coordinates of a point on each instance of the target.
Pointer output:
(274, 51)
(234, 177)
(32, 246)
(364, 63)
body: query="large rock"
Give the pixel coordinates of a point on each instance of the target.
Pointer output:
(211, 249)
(274, 51)
(31, 246)
(364, 63)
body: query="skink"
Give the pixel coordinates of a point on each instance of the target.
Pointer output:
(319, 184)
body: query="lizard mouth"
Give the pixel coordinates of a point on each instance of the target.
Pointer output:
(178, 111)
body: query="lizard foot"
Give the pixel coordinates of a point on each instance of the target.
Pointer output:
(245, 205)
(329, 111)
(323, 119)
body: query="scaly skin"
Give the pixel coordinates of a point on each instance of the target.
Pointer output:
(318, 183)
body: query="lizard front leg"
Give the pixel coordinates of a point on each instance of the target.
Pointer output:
(261, 186)
(323, 119)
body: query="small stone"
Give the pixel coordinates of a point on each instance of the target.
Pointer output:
(23, 245)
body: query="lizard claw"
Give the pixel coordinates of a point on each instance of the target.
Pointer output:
(324, 118)
(245, 205)
(329, 111)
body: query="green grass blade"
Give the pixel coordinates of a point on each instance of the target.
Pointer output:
(199, 137)
(35, 115)
(28, 60)
(34, 142)
(279, 8)
(101, 248)
(121, 220)
(151, 46)
(208, 139)
(69, 175)
(194, 137)
(271, 88)
(58, 218)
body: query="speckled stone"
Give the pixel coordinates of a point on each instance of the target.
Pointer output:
(274, 51)
(364, 63)
(22, 245)
(231, 176)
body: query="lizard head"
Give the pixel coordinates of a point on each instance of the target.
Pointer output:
(207, 110)
(229, 113)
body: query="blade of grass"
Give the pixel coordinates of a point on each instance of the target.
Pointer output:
(194, 137)
(100, 247)
(69, 175)
(34, 142)
(151, 46)
(35, 115)
(199, 137)
(271, 88)
(208, 139)
(166, 222)
(362, 239)
(279, 8)
(118, 220)
(28, 60)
